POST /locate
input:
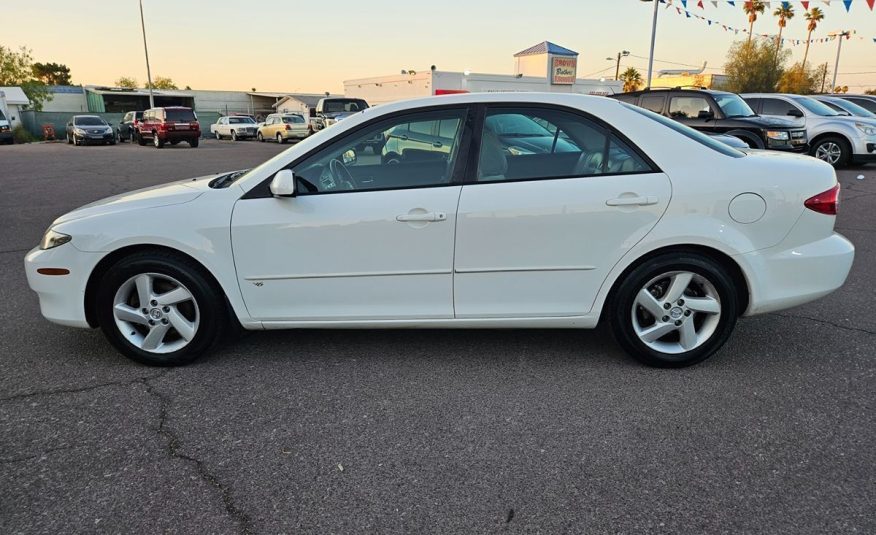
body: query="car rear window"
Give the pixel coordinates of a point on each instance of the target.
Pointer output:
(688, 132)
(295, 119)
(240, 120)
(180, 115)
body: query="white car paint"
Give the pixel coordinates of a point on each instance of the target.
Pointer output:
(540, 253)
(233, 124)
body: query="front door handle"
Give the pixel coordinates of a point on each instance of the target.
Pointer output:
(632, 201)
(427, 217)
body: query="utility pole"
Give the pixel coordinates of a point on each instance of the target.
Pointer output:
(653, 38)
(624, 54)
(146, 50)
(839, 48)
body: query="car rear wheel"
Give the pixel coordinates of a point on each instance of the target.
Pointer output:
(832, 150)
(157, 141)
(218, 135)
(674, 310)
(233, 135)
(280, 139)
(193, 143)
(158, 309)
(260, 137)
(69, 140)
(140, 140)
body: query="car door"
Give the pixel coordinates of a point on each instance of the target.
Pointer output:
(537, 233)
(362, 240)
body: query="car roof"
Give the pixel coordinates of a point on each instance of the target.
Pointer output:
(91, 116)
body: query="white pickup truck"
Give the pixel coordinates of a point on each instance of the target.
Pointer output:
(330, 110)
(235, 127)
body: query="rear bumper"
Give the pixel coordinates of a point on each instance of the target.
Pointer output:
(785, 277)
(62, 297)
(294, 134)
(179, 136)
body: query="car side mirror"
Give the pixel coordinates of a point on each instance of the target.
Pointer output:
(283, 184)
(705, 114)
(795, 113)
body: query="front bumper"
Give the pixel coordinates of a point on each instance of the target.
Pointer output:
(784, 277)
(865, 151)
(62, 297)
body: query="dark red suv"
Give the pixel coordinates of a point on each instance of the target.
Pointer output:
(169, 125)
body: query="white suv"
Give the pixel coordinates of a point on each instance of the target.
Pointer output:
(835, 138)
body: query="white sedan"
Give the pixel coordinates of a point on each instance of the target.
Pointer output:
(499, 210)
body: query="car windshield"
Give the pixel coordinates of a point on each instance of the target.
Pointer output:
(241, 120)
(851, 107)
(516, 125)
(689, 132)
(815, 107)
(89, 121)
(180, 115)
(733, 106)
(343, 104)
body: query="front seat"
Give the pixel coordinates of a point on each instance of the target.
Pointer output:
(492, 164)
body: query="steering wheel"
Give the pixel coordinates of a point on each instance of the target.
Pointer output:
(341, 174)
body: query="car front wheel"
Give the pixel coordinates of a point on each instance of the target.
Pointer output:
(260, 137)
(158, 309)
(674, 310)
(832, 150)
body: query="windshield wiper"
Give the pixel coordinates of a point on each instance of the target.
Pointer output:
(226, 180)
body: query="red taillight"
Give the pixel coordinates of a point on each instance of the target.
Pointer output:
(288, 127)
(825, 202)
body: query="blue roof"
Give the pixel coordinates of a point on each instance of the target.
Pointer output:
(546, 47)
(65, 89)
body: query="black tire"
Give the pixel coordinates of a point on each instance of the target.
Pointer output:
(280, 139)
(69, 140)
(622, 315)
(141, 141)
(212, 311)
(753, 141)
(845, 150)
(260, 137)
(193, 143)
(157, 141)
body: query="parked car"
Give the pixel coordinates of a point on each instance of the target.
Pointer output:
(844, 107)
(171, 124)
(6, 136)
(235, 127)
(836, 139)
(868, 102)
(88, 129)
(719, 112)
(128, 126)
(658, 229)
(283, 127)
(331, 110)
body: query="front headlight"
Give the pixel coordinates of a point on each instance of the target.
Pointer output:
(777, 135)
(869, 130)
(53, 239)
(79, 131)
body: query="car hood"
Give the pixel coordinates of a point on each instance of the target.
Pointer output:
(769, 122)
(178, 192)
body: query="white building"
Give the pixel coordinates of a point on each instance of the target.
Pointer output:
(300, 102)
(15, 100)
(544, 67)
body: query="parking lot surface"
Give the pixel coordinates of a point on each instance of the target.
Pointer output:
(424, 431)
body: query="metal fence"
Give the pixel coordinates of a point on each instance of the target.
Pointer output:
(34, 121)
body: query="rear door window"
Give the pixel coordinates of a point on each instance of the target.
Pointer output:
(775, 106)
(653, 102)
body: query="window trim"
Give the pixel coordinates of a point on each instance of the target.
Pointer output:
(263, 189)
(480, 118)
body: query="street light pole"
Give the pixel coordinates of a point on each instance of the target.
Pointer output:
(624, 53)
(146, 50)
(839, 48)
(653, 38)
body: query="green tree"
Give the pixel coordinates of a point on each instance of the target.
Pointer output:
(754, 66)
(52, 73)
(813, 17)
(127, 82)
(752, 8)
(632, 79)
(16, 69)
(799, 80)
(162, 82)
(870, 92)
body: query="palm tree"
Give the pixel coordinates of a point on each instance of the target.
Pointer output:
(785, 12)
(752, 8)
(814, 16)
(632, 79)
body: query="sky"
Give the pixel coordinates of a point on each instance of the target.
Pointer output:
(293, 46)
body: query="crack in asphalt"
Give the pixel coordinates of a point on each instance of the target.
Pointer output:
(857, 229)
(34, 456)
(818, 320)
(10, 251)
(173, 449)
(53, 392)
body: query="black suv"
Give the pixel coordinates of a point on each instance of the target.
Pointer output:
(720, 112)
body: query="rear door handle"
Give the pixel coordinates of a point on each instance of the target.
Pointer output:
(430, 216)
(632, 201)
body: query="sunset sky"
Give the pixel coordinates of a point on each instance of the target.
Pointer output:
(275, 45)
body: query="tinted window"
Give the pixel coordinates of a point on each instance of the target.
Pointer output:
(818, 108)
(374, 158)
(343, 104)
(733, 106)
(653, 103)
(689, 133)
(524, 143)
(179, 115)
(687, 107)
(774, 106)
(293, 119)
(836, 108)
(240, 120)
(851, 107)
(89, 121)
(869, 105)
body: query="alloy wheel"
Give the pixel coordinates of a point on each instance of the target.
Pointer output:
(156, 313)
(829, 151)
(676, 312)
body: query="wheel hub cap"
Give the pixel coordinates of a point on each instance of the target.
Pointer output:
(155, 314)
(676, 313)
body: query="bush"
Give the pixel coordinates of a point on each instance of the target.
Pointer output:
(21, 135)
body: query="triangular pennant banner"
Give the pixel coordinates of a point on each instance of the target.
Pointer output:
(848, 4)
(870, 3)
(805, 5)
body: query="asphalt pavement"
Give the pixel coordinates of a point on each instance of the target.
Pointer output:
(424, 431)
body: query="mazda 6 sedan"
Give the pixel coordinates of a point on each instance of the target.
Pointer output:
(621, 216)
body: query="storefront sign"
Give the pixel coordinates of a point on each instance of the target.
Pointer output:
(563, 70)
